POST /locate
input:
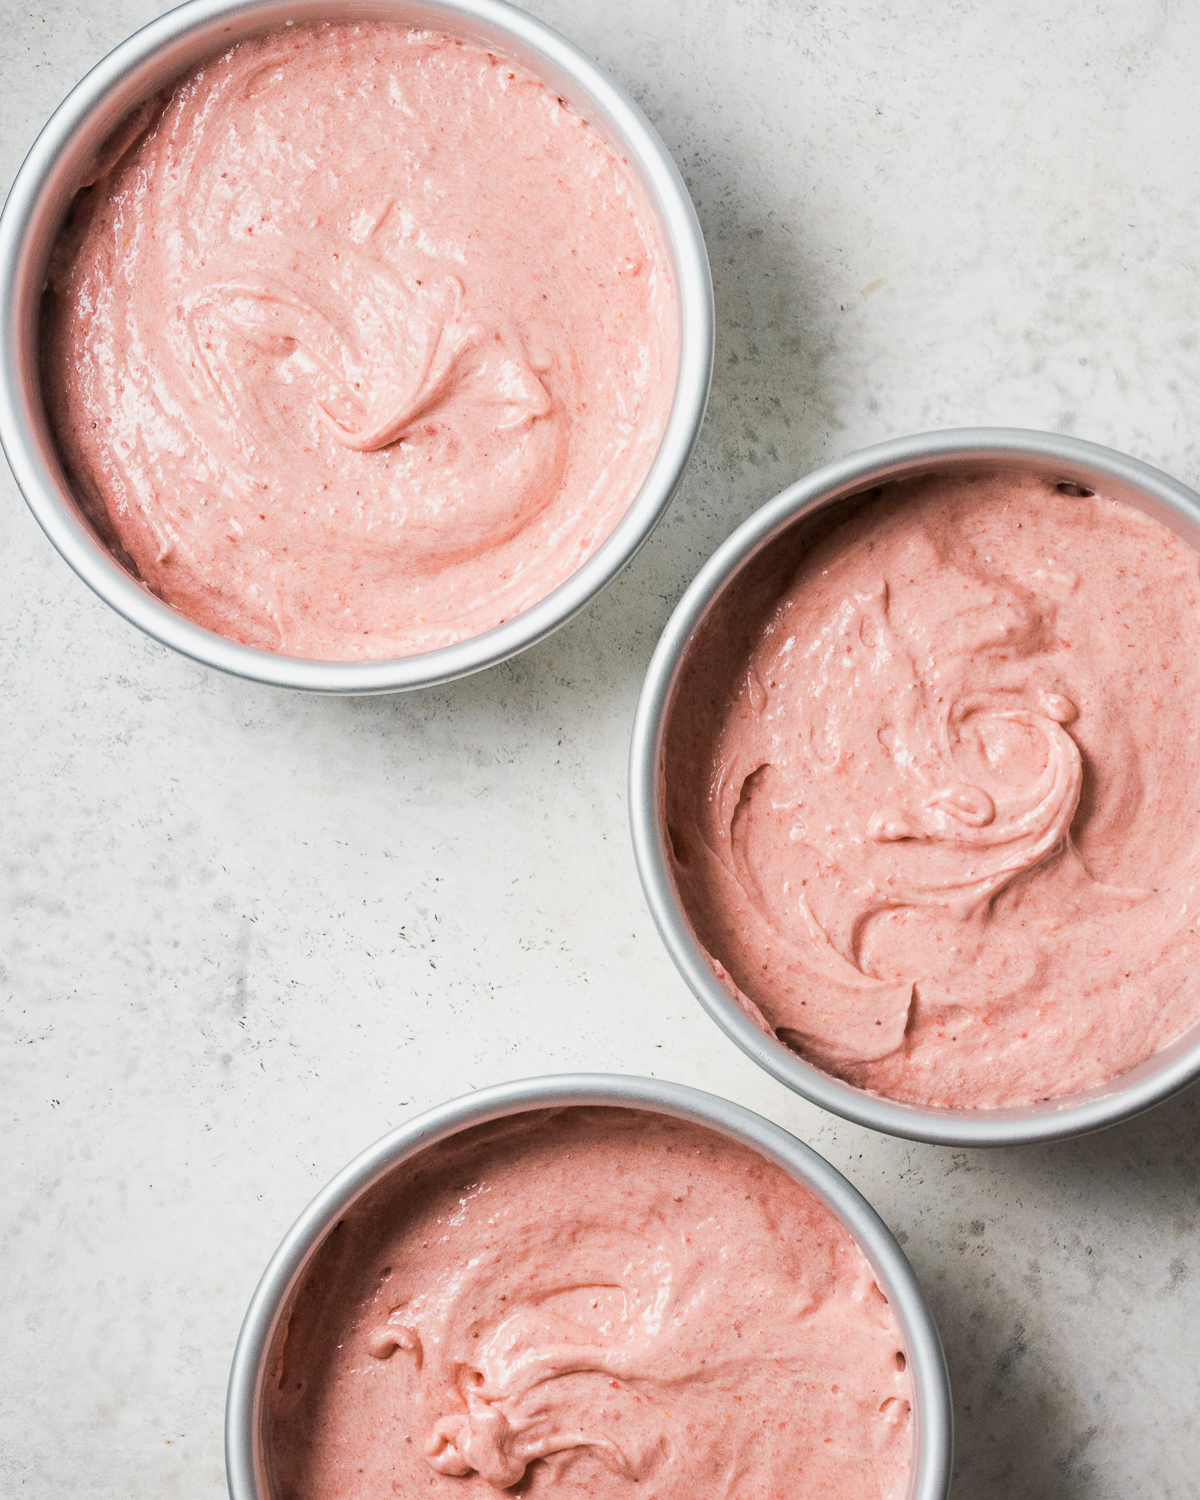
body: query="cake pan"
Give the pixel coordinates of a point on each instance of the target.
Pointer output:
(932, 1416)
(1070, 462)
(155, 56)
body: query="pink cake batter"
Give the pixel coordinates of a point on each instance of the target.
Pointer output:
(934, 796)
(359, 343)
(595, 1303)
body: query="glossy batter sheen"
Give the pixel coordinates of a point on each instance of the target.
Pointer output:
(359, 343)
(590, 1303)
(936, 817)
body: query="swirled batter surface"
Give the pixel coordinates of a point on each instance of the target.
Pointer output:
(359, 343)
(594, 1302)
(935, 804)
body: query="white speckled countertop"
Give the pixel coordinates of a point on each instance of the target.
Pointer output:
(244, 933)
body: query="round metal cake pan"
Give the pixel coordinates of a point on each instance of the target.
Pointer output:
(155, 56)
(1066, 460)
(932, 1413)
